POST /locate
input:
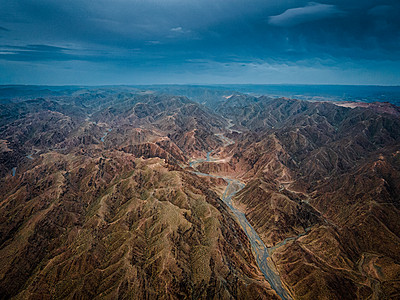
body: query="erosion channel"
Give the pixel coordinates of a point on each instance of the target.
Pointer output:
(260, 251)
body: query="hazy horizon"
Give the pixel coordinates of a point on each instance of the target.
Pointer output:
(198, 84)
(363, 93)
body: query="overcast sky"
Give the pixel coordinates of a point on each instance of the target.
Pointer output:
(199, 41)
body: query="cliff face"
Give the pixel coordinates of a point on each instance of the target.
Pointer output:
(98, 199)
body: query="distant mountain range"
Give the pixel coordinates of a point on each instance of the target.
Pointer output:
(198, 192)
(358, 93)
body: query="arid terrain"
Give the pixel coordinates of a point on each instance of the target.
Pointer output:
(134, 193)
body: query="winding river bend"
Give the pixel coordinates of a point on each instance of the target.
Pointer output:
(260, 251)
(105, 134)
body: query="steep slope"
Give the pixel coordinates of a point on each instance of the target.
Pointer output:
(322, 192)
(116, 226)
(35, 126)
(98, 198)
(99, 207)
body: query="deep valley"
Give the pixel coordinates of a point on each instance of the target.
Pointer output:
(140, 193)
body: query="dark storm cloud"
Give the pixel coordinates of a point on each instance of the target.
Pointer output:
(214, 37)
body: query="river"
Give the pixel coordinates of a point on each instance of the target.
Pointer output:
(105, 134)
(260, 251)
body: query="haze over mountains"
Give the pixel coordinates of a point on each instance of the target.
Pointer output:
(144, 193)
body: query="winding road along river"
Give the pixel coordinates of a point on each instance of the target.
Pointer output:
(260, 251)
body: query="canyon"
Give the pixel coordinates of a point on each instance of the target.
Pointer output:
(135, 193)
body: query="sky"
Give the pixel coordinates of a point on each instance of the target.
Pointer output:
(98, 42)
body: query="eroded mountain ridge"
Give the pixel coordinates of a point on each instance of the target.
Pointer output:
(100, 199)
